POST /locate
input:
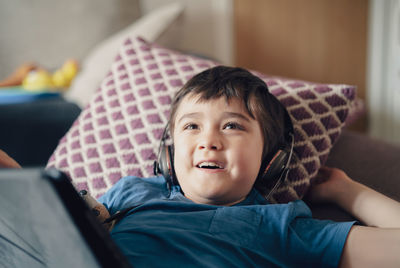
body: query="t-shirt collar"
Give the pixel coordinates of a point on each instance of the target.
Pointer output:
(253, 198)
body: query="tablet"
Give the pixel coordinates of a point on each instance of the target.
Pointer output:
(45, 223)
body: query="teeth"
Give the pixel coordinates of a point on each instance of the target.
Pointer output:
(209, 165)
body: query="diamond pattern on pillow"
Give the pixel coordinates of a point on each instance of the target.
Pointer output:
(119, 132)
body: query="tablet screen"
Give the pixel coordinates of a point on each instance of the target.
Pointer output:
(36, 228)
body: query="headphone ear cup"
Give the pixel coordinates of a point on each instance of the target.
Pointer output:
(276, 166)
(166, 164)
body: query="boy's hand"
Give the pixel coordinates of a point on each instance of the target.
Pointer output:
(7, 162)
(328, 183)
(99, 210)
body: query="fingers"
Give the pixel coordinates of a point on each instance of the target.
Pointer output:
(7, 162)
(323, 175)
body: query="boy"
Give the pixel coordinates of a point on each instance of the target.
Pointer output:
(225, 128)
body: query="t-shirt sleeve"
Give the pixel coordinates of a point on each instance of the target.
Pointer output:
(318, 240)
(131, 191)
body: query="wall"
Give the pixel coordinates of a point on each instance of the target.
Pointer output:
(315, 40)
(383, 81)
(50, 31)
(205, 28)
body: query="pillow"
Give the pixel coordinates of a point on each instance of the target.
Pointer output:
(357, 110)
(119, 132)
(96, 65)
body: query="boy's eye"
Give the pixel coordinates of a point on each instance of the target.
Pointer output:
(233, 125)
(191, 126)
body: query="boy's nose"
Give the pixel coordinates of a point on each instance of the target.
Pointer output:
(210, 141)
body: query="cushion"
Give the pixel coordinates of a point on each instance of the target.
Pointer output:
(357, 111)
(118, 133)
(97, 63)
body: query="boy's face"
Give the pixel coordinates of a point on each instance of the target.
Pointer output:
(218, 149)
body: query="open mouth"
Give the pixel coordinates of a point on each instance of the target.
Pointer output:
(210, 165)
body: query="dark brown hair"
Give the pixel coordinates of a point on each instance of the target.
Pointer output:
(234, 82)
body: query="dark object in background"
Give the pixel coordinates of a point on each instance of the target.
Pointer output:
(30, 131)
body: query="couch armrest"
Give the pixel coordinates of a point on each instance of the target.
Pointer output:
(30, 131)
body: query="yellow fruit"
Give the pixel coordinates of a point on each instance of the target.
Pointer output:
(37, 80)
(70, 69)
(59, 79)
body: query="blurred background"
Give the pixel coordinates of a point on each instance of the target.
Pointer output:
(353, 42)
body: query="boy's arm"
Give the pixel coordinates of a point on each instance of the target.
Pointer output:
(7, 162)
(365, 204)
(371, 247)
(377, 245)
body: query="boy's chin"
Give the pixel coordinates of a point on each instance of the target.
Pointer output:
(215, 199)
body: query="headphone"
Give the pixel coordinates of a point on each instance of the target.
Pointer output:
(275, 172)
(165, 161)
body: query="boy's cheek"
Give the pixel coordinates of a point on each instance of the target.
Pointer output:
(180, 162)
(182, 149)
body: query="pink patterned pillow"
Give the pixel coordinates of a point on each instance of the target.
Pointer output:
(118, 133)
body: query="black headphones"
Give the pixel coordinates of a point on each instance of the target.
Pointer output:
(165, 160)
(277, 169)
(274, 173)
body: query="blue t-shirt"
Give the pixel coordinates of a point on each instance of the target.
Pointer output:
(169, 230)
